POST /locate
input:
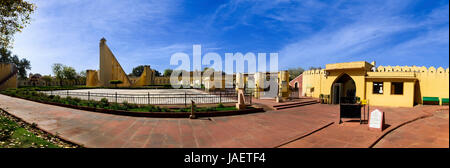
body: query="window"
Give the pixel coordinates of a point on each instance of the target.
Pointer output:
(397, 88)
(377, 88)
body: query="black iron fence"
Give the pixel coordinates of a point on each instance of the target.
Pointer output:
(156, 99)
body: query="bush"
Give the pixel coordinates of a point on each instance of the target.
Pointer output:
(72, 101)
(220, 105)
(117, 106)
(149, 108)
(76, 101)
(83, 103)
(156, 109)
(185, 110)
(92, 103)
(33, 93)
(128, 105)
(103, 103)
(55, 99)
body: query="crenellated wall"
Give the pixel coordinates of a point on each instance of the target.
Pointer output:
(431, 82)
(418, 82)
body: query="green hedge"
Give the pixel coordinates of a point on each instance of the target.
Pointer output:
(48, 88)
(33, 93)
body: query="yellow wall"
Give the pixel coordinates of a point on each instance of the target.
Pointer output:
(5, 71)
(145, 78)
(160, 80)
(418, 82)
(92, 78)
(322, 85)
(389, 99)
(434, 83)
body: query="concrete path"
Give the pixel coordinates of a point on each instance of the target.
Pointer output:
(431, 132)
(92, 129)
(354, 135)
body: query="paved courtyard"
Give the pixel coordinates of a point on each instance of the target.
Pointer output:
(354, 135)
(430, 132)
(147, 96)
(300, 127)
(92, 129)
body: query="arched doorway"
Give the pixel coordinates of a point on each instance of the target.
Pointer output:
(343, 90)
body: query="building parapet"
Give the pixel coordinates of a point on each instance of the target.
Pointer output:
(349, 65)
(416, 69)
(392, 69)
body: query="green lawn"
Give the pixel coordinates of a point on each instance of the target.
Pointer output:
(14, 136)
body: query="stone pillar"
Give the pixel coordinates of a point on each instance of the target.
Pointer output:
(241, 101)
(192, 116)
(283, 84)
(259, 83)
(240, 83)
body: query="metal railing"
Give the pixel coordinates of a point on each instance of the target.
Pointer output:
(155, 99)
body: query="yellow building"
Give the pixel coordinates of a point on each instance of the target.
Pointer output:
(8, 76)
(399, 86)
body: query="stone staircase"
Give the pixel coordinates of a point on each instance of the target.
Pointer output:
(9, 76)
(295, 104)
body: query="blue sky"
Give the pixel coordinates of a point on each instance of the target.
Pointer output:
(305, 33)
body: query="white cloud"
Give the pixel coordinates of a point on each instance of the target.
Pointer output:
(369, 32)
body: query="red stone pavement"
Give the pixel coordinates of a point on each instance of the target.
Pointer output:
(431, 132)
(268, 103)
(354, 135)
(93, 129)
(293, 127)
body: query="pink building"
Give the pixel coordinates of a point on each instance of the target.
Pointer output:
(296, 84)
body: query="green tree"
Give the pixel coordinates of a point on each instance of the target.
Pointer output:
(157, 73)
(167, 72)
(294, 72)
(69, 73)
(22, 64)
(81, 77)
(14, 16)
(64, 73)
(137, 71)
(315, 68)
(22, 67)
(58, 72)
